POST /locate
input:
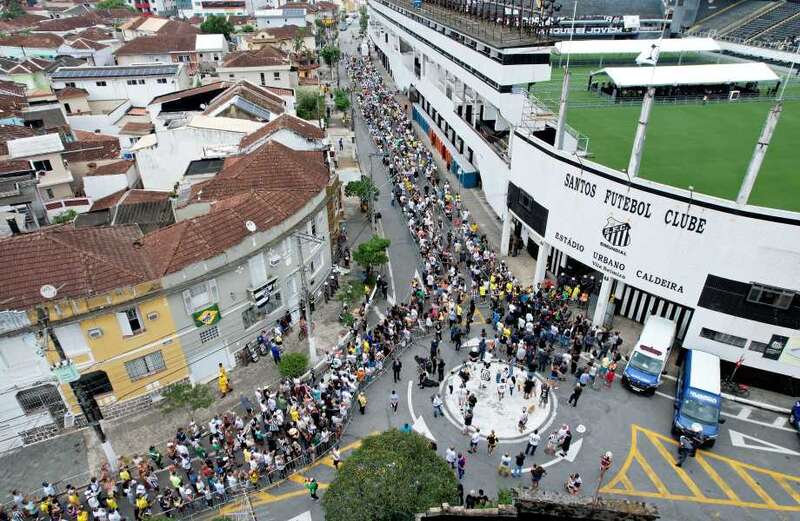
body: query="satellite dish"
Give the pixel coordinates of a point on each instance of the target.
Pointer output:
(48, 291)
(251, 226)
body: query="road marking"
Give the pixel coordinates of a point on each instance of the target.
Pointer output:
(744, 413)
(305, 516)
(739, 439)
(389, 265)
(759, 480)
(411, 405)
(690, 484)
(780, 421)
(572, 453)
(421, 427)
(773, 425)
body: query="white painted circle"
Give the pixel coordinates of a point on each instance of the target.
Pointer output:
(492, 412)
(580, 429)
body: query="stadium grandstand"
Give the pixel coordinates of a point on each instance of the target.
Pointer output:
(768, 23)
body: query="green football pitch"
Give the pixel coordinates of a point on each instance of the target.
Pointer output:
(707, 146)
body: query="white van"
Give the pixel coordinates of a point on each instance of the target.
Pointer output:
(647, 360)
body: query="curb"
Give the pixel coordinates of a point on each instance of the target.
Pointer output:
(756, 404)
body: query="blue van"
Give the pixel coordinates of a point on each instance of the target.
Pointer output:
(697, 396)
(649, 355)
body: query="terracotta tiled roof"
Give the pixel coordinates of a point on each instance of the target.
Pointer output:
(158, 44)
(83, 43)
(310, 8)
(174, 247)
(9, 132)
(264, 57)
(284, 121)
(8, 166)
(37, 41)
(171, 27)
(25, 21)
(91, 147)
(71, 92)
(30, 65)
(217, 85)
(117, 167)
(327, 6)
(135, 128)
(107, 202)
(308, 81)
(272, 166)
(251, 93)
(110, 15)
(80, 262)
(96, 34)
(279, 91)
(61, 25)
(286, 32)
(239, 20)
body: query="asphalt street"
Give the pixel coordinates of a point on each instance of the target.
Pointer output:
(750, 474)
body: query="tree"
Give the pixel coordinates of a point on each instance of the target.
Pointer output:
(113, 4)
(293, 364)
(65, 217)
(309, 105)
(372, 253)
(391, 477)
(331, 54)
(363, 19)
(299, 41)
(187, 397)
(248, 28)
(217, 24)
(341, 100)
(11, 9)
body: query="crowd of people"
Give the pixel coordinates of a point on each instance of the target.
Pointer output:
(288, 425)
(532, 329)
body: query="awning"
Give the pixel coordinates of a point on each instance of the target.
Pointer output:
(636, 46)
(673, 75)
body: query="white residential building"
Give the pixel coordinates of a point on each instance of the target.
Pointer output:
(139, 84)
(281, 17)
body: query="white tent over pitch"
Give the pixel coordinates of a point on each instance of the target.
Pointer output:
(674, 75)
(576, 47)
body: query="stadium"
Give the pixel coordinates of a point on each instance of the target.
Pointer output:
(685, 206)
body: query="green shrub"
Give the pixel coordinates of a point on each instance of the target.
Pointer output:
(293, 364)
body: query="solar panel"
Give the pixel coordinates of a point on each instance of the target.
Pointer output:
(114, 72)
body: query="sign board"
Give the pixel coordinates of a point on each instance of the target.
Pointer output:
(66, 374)
(207, 316)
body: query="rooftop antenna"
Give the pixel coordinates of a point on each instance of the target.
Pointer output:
(562, 104)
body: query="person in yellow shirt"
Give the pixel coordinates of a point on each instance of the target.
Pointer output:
(111, 503)
(482, 292)
(223, 382)
(294, 414)
(83, 515)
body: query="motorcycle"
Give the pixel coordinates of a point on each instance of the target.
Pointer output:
(252, 351)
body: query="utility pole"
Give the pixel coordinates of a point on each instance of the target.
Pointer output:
(85, 401)
(312, 344)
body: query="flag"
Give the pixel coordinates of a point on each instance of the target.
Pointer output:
(649, 56)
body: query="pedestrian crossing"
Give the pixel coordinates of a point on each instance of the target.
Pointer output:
(649, 471)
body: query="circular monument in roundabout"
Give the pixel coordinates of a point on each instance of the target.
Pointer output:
(493, 411)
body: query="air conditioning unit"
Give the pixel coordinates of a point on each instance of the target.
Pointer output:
(95, 332)
(274, 261)
(153, 315)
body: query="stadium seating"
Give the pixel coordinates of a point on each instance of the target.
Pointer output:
(644, 8)
(755, 27)
(788, 31)
(723, 19)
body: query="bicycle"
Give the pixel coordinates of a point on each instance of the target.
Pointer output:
(736, 389)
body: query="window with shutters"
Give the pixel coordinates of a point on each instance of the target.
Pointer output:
(130, 322)
(200, 296)
(145, 366)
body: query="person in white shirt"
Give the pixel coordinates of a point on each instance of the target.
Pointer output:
(501, 389)
(450, 457)
(533, 442)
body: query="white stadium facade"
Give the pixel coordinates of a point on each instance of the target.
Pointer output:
(728, 273)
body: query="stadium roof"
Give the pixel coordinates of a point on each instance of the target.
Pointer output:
(688, 74)
(636, 46)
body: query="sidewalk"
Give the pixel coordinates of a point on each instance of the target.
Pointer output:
(74, 457)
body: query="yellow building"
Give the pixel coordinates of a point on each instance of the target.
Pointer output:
(105, 307)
